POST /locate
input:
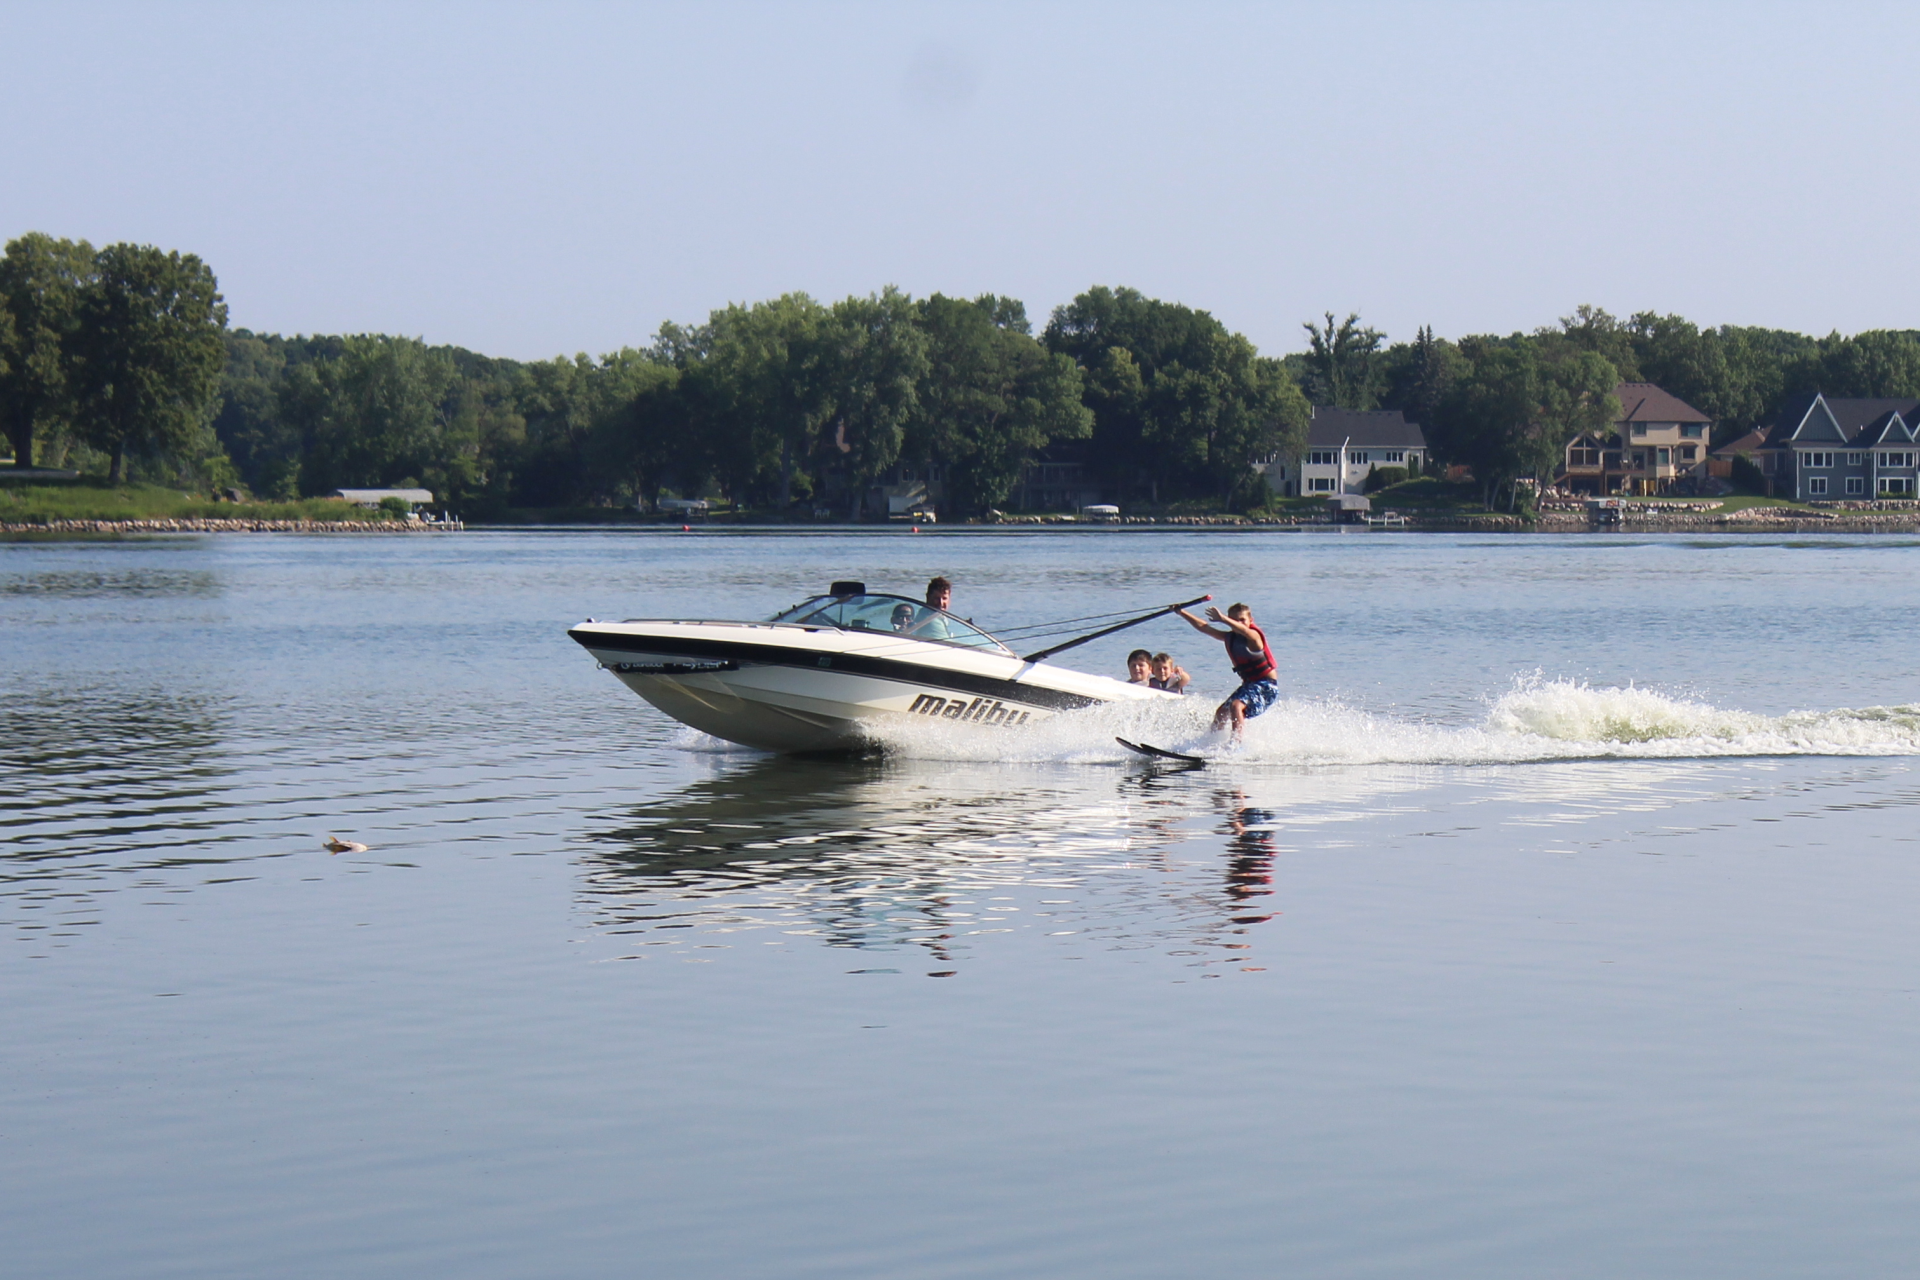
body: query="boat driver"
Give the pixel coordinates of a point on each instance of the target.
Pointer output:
(1252, 659)
(933, 624)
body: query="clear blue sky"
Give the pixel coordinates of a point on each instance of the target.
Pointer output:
(536, 179)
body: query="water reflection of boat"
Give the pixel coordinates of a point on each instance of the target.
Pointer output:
(822, 675)
(895, 855)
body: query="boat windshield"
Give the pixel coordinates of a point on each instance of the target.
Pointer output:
(889, 613)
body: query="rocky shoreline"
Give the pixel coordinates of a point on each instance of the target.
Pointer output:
(230, 526)
(1696, 518)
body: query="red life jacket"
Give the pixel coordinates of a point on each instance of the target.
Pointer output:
(1248, 665)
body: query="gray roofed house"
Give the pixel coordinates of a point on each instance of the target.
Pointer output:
(1820, 448)
(1364, 428)
(1343, 446)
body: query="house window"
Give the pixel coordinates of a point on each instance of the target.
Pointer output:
(1896, 459)
(1817, 485)
(1858, 484)
(1856, 459)
(1358, 459)
(1639, 428)
(1320, 484)
(1689, 452)
(1583, 458)
(1323, 458)
(1820, 459)
(1639, 458)
(1693, 430)
(1663, 456)
(1395, 455)
(1896, 485)
(1613, 461)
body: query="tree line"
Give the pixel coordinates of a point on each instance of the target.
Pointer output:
(120, 360)
(1507, 406)
(118, 350)
(782, 404)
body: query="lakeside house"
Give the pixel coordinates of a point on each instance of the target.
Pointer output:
(1819, 448)
(1659, 442)
(1059, 478)
(1343, 447)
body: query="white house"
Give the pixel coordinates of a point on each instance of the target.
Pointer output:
(1343, 446)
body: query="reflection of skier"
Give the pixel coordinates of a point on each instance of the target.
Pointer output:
(1251, 851)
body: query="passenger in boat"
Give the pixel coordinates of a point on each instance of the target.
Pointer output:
(1252, 659)
(940, 593)
(1168, 674)
(1140, 667)
(902, 619)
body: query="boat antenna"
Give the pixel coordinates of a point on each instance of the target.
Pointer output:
(1107, 631)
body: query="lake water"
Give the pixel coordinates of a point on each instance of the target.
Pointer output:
(1561, 923)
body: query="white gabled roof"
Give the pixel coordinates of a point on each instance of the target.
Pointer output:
(372, 497)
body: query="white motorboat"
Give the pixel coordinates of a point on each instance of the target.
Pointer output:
(827, 674)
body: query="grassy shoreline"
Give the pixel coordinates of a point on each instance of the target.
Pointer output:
(41, 502)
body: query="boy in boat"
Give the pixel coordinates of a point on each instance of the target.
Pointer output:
(1252, 659)
(1140, 667)
(1168, 675)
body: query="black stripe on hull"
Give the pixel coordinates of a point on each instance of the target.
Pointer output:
(774, 655)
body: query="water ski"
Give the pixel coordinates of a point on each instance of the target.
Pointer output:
(1159, 753)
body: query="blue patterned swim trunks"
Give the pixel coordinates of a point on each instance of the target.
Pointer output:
(1256, 696)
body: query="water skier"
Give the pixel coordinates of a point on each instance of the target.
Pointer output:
(1252, 659)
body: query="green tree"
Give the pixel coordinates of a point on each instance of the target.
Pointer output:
(1873, 364)
(1214, 423)
(1419, 375)
(1521, 402)
(1343, 365)
(1485, 414)
(1174, 395)
(373, 415)
(1575, 394)
(875, 361)
(758, 381)
(148, 340)
(40, 283)
(1761, 367)
(1592, 328)
(248, 420)
(643, 440)
(991, 396)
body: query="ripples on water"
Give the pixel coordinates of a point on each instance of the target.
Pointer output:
(1508, 876)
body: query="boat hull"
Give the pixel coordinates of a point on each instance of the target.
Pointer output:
(787, 688)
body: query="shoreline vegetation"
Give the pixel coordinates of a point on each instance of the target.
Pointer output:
(91, 507)
(119, 364)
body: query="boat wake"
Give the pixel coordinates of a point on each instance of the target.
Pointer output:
(1536, 719)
